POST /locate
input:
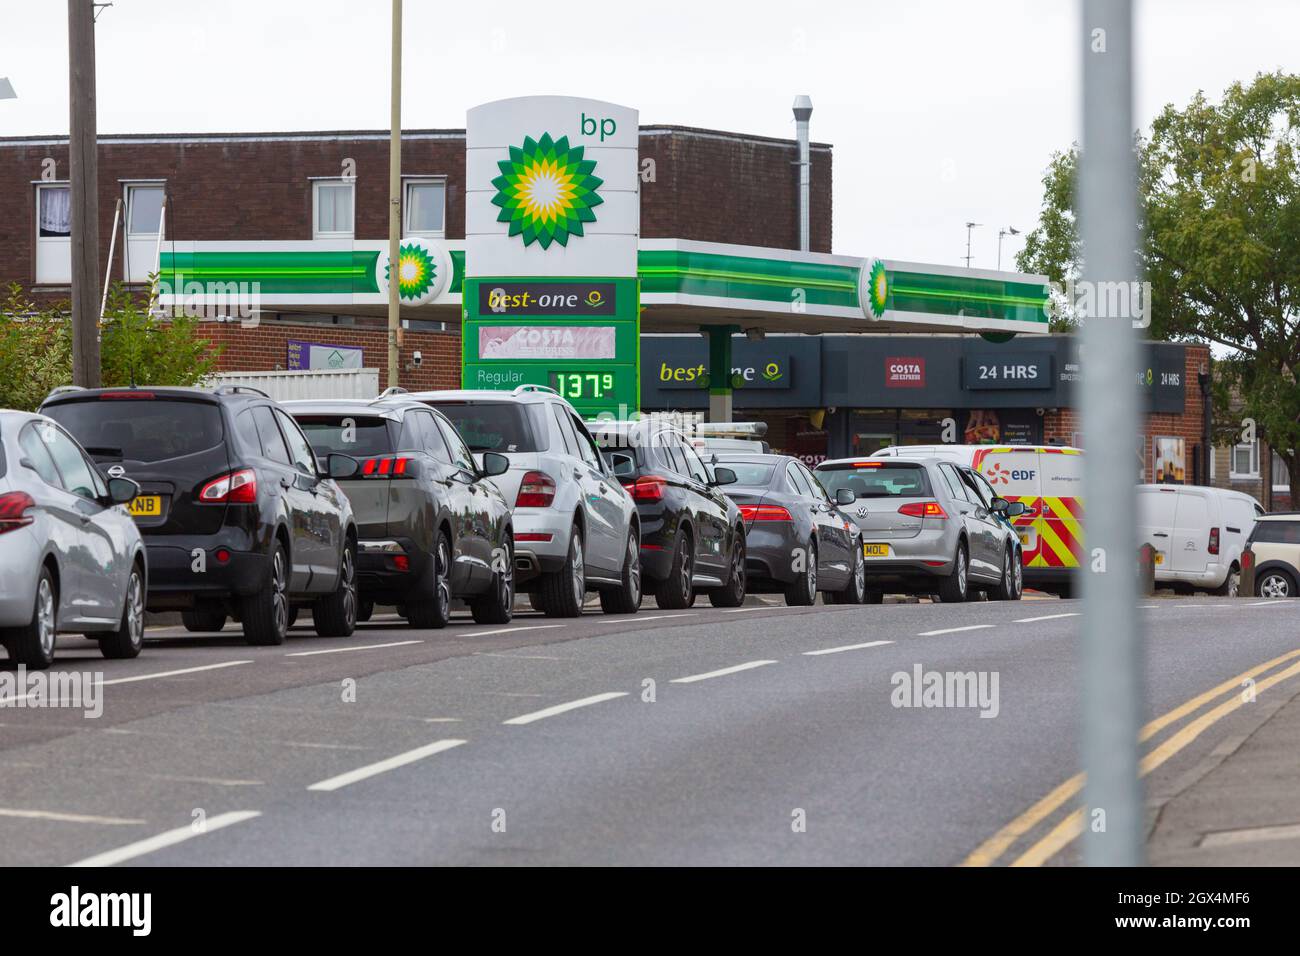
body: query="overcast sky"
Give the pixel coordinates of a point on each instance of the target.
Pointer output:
(939, 112)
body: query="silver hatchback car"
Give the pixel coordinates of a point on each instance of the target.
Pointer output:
(929, 526)
(71, 558)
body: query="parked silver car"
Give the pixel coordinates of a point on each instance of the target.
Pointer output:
(576, 528)
(930, 526)
(71, 558)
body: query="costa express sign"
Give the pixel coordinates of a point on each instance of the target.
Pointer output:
(904, 371)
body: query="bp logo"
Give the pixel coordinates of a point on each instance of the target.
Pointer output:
(874, 291)
(546, 191)
(423, 269)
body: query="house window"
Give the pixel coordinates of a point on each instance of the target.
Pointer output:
(1281, 476)
(424, 203)
(54, 234)
(332, 208)
(1245, 460)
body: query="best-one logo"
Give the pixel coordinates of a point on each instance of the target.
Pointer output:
(769, 372)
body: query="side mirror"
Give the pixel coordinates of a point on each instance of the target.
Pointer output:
(723, 476)
(621, 464)
(1015, 509)
(495, 463)
(122, 490)
(999, 506)
(845, 496)
(341, 466)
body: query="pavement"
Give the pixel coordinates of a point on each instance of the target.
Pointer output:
(758, 735)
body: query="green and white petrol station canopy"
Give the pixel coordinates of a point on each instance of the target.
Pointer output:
(684, 285)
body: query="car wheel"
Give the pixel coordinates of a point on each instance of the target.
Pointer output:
(733, 594)
(202, 619)
(1009, 588)
(563, 592)
(293, 616)
(1275, 584)
(874, 597)
(803, 592)
(855, 592)
(677, 591)
(497, 606)
(32, 645)
(335, 615)
(1231, 586)
(430, 604)
(265, 615)
(626, 598)
(953, 588)
(128, 640)
(365, 608)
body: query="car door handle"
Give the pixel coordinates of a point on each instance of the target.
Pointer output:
(286, 483)
(577, 473)
(1159, 534)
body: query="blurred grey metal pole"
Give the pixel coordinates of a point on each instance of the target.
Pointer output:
(1112, 653)
(395, 198)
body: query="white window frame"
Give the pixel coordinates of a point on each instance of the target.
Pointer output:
(407, 183)
(1254, 461)
(1274, 459)
(128, 187)
(63, 242)
(316, 231)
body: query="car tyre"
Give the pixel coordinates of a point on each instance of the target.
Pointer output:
(955, 587)
(1012, 584)
(200, 619)
(626, 598)
(32, 645)
(335, 615)
(732, 594)
(563, 592)
(677, 591)
(803, 592)
(497, 605)
(1231, 586)
(430, 605)
(365, 608)
(1275, 583)
(855, 592)
(265, 614)
(128, 640)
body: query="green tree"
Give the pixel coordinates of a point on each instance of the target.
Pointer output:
(1219, 241)
(36, 347)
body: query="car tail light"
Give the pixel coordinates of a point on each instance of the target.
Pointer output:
(236, 488)
(125, 396)
(764, 513)
(388, 467)
(537, 490)
(13, 510)
(1214, 541)
(647, 488)
(922, 509)
(542, 536)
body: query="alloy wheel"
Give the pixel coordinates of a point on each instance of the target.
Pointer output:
(45, 616)
(579, 580)
(961, 571)
(1274, 586)
(688, 574)
(634, 568)
(135, 609)
(349, 588)
(442, 578)
(279, 598)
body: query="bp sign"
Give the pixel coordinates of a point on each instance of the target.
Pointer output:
(552, 217)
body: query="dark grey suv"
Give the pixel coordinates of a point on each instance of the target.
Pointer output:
(431, 524)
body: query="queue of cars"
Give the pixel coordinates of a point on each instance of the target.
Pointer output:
(224, 504)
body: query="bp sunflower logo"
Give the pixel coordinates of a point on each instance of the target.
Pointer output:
(877, 289)
(416, 271)
(546, 191)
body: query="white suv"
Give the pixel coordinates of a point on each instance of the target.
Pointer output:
(576, 529)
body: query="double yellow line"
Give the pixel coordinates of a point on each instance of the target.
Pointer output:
(991, 850)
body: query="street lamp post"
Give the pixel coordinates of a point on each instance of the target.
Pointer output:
(1006, 231)
(969, 227)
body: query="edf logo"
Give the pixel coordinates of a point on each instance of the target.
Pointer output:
(605, 125)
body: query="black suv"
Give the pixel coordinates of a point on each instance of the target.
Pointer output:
(237, 514)
(432, 523)
(692, 535)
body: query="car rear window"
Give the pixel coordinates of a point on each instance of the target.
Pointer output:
(749, 472)
(491, 426)
(361, 436)
(145, 430)
(1276, 532)
(884, 480)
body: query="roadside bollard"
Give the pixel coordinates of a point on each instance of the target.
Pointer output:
(1147, 570)
(1246, 586)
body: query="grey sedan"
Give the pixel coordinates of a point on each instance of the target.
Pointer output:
(930, 526)
(797, 540)
(71, 558)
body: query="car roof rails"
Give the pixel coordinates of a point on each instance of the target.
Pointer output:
(535, 388)
(236, 389)
(393, 390)
(63, 390)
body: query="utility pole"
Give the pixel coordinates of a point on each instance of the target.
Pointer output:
(1113, 662)
(83, 172)
(969, 227)
(395, 199)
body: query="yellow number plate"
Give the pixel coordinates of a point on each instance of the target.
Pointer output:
(145, 506)
(875, 550)
(1160, 557)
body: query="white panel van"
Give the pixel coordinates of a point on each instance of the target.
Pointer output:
(1197, 533)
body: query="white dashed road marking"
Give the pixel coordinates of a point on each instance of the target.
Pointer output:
(383, 766)
(164, 840)
(846, 647)
(722, 673)
(954, 630)
(563, 708)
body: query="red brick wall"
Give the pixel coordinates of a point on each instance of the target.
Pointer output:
(1059, 426)
(264, 348)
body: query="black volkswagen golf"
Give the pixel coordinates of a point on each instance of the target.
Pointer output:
(239, 517)
(692, 535)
